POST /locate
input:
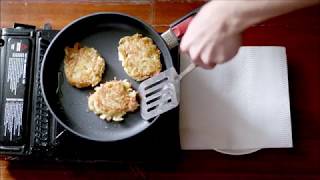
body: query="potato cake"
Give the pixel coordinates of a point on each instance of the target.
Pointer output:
(83, 66)
(140, 56)
(113, 99)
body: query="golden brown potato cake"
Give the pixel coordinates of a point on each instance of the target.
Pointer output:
(113, 99)
(83, 67)
(140, 56)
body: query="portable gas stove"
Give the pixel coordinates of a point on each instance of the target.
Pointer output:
(29, 132)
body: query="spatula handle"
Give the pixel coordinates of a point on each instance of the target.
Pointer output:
(187, 70)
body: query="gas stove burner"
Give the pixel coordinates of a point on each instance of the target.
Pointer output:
(32, 132)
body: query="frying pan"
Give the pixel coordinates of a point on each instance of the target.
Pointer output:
(101, 31)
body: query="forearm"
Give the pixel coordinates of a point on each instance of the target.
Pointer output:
(214, 35)
(250, 12)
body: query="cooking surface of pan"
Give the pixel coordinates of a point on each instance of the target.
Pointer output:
(69, 105)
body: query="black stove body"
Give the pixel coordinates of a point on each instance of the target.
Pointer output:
(28, 130)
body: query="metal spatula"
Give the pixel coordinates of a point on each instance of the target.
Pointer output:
(161, 93)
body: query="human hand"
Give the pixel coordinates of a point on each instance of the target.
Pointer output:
(213, 37)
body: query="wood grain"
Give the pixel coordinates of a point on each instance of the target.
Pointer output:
(166, 12)
(60, 14)
(298, 32)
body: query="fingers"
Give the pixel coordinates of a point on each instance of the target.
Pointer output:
(195, 52)
(207, 40)
(207, 54)
(197, 60)
(205, 61)
(184, 45)
(197, 55)
(186, 41)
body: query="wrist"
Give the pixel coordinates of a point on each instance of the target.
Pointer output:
(231, 15)
(244, 14)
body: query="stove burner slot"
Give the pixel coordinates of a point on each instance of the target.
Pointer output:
(43, 118)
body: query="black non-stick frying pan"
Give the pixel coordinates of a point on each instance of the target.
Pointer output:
(69, 105)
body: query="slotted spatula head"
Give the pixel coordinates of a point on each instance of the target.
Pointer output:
(159, 94)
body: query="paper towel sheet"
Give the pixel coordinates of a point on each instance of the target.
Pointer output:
(242, 104)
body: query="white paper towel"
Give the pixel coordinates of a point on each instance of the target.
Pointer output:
(242, 104)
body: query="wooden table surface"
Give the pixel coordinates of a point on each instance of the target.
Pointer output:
(299, 32)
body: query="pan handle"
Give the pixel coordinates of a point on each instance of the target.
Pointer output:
(177, 29)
